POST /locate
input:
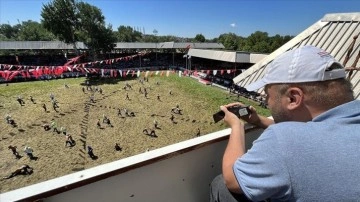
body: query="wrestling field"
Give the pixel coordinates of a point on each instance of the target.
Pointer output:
(79, 116)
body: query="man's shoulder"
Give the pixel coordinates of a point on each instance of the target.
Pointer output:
(288, 125)
(291, 130)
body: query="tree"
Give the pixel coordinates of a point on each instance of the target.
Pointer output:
(73, 21)
(200, 38)
(9, 32)
(60, 18)
(96, 36)
(127, 34)
(229, 40)
(34, 31)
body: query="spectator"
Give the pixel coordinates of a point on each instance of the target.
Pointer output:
(314, 132)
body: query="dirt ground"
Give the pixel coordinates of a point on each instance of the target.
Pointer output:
(79, 116)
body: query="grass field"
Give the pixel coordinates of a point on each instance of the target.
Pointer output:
(79, 116)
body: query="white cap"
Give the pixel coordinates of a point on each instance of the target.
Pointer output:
(304, 64)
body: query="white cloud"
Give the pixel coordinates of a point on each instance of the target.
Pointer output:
(233, 25)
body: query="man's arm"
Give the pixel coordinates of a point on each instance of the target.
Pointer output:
(234, 149)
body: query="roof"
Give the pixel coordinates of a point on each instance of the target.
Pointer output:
(167, 45)
(227, 56)
(50, 45)
(333, 33)
(38, 45)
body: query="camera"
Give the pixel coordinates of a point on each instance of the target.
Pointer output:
(238, 110)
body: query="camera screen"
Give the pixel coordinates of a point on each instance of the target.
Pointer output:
(243, 111)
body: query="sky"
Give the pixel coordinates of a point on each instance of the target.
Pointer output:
(187, 18)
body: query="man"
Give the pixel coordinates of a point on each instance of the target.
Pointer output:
(172, 118)
(8, 118)
(54, 126)
(54, 104)
(119, 112)
(108, 122)
(311, 152)
(52, 96)
(32, 100)
(91, 152)
(156, 124)
(46, 127)
(98, 125)
(117, 147)
(29, 152)
(23, 170)
(92, 98)
(69, 140)
(44, 107)
(63, 130)
(13, 149)
(20, 100)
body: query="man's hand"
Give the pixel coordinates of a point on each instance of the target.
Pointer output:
(253, 118)
(230, 118)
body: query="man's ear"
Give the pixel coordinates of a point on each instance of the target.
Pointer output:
(295, 98)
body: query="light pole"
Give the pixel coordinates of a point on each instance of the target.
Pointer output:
(186, 58)
(156, 41)
(189, 62)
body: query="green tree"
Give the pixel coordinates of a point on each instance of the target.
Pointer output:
(127, 34)
(150, 38)
(60, 17)
(74, 21)
(96, 36)
(229, 40)
(9, 32)
(34, 31)
(257, 42)
(168, 38)
(200, 38)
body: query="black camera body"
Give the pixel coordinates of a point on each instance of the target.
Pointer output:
(238, 110)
